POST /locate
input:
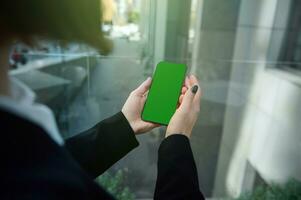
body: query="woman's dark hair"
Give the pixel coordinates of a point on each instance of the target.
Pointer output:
(64, 20)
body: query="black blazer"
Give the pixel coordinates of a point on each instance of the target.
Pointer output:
(34, 167)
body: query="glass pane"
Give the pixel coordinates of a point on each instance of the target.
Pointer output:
(248, 131)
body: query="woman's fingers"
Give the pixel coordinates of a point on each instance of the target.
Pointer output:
(198, 94)
(193, 80)
(193, 91)
(188, 98)
(151, 125)
(197, 100)
(143, 88)
(154, 125)
(184, 89)
(187, 82)
(181, 98)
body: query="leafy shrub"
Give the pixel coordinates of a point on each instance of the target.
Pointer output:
(133, 17)
(114, 184)
(290, 191)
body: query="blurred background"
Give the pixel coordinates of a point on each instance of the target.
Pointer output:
(247, 55)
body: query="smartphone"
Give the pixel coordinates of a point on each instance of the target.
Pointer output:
(163, 96)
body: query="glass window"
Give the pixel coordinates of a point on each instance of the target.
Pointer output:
(291, 47)
(248, 132)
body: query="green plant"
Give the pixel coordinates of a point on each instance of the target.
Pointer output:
(289, 191)
(114, 183)
(133, 17)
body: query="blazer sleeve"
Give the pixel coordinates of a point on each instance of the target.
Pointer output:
(103, 145)
(177, 174)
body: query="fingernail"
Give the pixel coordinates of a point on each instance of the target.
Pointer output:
(194, 89)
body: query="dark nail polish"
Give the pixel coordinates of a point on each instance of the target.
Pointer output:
(194, 89)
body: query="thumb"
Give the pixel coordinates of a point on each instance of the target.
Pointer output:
(189, 95)
(144, 87)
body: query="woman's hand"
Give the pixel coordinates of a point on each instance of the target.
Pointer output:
(133, 106)
(187, 113)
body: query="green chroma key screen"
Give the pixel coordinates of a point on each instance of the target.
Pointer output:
(164, 92)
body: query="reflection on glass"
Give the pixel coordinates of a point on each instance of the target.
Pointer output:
(247, 55)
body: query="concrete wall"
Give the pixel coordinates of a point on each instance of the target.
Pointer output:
(263, 114)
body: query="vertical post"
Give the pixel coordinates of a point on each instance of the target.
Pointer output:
(160, 30)
(197, 28)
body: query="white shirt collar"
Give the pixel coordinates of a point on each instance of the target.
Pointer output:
(22, 103)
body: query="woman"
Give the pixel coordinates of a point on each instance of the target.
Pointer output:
(36, 162)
